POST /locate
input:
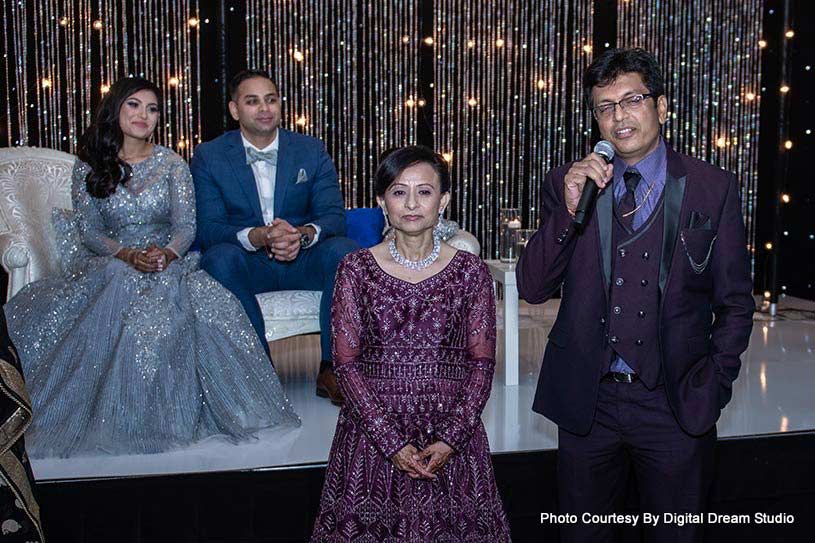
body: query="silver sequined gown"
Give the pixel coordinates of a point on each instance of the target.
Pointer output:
(118, 361)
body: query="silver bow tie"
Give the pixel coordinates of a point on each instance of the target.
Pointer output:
(253, 155)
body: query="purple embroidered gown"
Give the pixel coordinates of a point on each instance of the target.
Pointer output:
(415, 363)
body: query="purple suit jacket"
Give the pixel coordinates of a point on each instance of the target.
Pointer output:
(699, 353)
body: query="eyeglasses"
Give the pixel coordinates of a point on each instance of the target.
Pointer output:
(631, 103)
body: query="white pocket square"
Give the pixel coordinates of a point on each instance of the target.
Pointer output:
(302, 177)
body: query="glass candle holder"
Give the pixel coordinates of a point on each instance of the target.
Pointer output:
(510, 223)
(522, 236)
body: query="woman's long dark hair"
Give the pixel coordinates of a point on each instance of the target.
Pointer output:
(100, 144)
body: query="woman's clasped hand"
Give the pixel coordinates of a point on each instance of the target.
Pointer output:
(425, 463)
(151, 260)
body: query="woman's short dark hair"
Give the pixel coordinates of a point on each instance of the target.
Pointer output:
(242, 76)
(99, 145)
(616, 62)
(394, 161)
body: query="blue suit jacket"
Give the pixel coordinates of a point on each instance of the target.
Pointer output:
(226, 194)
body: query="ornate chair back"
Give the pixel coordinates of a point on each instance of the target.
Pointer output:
(33, 181)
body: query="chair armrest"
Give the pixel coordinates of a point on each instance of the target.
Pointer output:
(13, 251)
(14, 258)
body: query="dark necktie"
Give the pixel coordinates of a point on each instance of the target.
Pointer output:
(628, 204)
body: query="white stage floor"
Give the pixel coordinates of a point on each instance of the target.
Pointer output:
(772, 396)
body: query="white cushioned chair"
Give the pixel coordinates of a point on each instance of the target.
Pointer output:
(33, 181)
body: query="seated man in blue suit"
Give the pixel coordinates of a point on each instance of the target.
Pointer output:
(270, 213)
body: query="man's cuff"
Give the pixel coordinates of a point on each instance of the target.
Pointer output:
(243, 238)
(560, 225)
(316, 237)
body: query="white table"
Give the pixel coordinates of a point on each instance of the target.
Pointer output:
(505, 274)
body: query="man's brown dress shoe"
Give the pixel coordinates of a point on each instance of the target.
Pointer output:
(327, 387)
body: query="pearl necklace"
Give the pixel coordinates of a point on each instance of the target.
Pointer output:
(415, 264)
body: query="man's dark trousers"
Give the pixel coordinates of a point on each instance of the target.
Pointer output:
(633, 428)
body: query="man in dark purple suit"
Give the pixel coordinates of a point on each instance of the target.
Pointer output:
(656, 310)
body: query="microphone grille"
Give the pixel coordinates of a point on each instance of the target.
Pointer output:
(605, 150)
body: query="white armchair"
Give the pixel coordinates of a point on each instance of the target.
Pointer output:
(33, 181)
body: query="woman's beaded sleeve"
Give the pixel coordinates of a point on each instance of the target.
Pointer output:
(347, 331)
(458, 426)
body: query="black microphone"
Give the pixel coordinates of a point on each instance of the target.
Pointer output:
(589, 194)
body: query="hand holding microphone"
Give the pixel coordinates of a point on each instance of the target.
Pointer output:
(584, 179)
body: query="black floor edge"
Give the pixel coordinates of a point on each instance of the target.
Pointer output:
(768, 474)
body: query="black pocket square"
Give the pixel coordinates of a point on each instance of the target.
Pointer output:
(699, 221)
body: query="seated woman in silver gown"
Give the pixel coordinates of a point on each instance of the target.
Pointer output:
(138, 351)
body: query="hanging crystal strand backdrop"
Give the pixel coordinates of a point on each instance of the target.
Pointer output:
(710, 54)
(348, 74)
(508, 102)
(53, 51)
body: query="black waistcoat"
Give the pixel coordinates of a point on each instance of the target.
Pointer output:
(633, 319)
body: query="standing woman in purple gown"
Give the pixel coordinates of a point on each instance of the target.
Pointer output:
(413, 325)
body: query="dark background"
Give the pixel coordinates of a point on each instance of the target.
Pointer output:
(791, 227)
(780, 170)
(787, 171)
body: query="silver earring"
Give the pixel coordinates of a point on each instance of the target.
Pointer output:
(437, 230)
(387, 229)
